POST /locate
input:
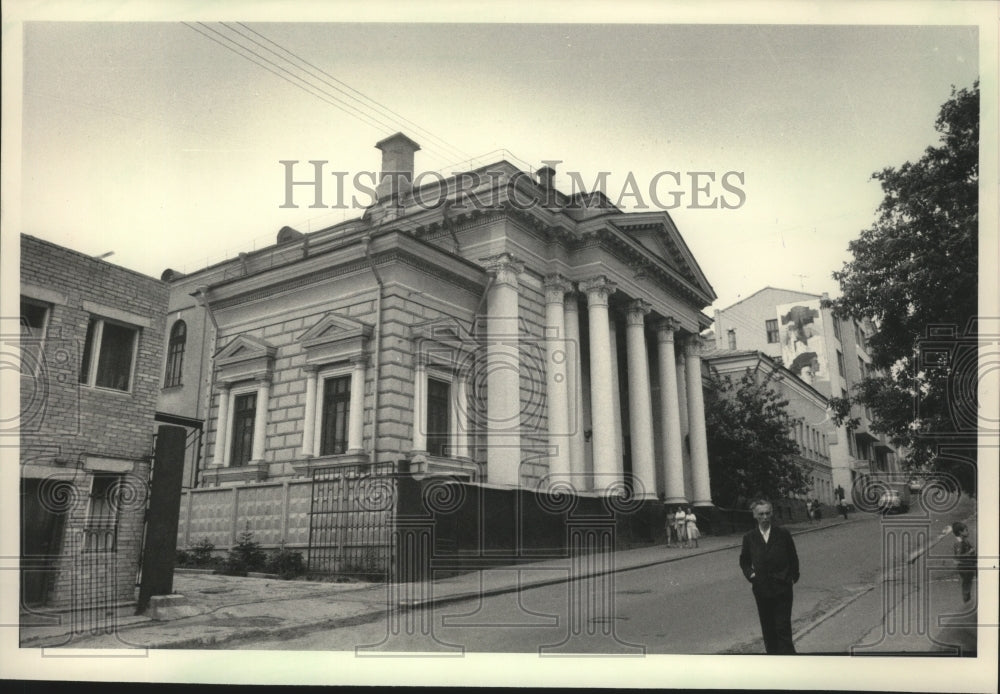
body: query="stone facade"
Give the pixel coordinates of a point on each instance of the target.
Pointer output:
(92, 352)
(499, 336)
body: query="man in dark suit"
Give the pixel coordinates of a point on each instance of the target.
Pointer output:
(770, 563)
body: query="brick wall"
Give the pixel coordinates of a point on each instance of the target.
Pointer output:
(65, 423)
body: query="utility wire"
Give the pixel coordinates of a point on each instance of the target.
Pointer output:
(399, 118)
(361, 116)
(310, 87)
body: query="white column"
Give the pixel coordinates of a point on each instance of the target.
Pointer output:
(222, 427)
(556, 366)
(639, 399)
(503, 373)
(700, 482)
(356, 425)
(574, 393)
(673, 470)
(260, 422)
(616, 391)
(309, 421)
(419, 404)
(459, 418)
(607, 470)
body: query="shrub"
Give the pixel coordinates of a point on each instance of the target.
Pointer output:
(246, 555)
(286, 563)
(201, 552)
(183, 558)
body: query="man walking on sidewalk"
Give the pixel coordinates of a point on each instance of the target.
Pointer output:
(769, 561)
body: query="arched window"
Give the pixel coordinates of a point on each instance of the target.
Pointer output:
(175, 354)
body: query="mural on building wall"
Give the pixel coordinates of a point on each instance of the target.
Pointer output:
(803, 348)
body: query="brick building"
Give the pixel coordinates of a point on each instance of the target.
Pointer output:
(91, 355)
(485, 327)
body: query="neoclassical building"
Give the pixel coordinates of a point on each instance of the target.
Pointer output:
(485, 326)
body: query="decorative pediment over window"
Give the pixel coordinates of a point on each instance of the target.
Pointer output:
(245, 358)
(443, 342)
(335, 338)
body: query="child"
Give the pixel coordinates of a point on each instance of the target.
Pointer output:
(965, 559)
(691, 525)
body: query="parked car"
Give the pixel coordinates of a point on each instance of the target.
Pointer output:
(896, 499)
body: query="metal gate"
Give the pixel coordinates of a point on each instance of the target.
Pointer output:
(351, 521)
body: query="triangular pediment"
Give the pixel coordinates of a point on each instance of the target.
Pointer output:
(245, 347)
(656, 233)
(334, 328)
(443, 330)
(444, 342)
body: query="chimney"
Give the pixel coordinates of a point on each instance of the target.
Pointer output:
(396, 176)
(545, 176)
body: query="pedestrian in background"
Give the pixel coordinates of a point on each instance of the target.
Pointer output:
(769, 561)
(668, 522)
(680, 523)
(691, 527)
(809, 510)
(965, 559)
(842, 507)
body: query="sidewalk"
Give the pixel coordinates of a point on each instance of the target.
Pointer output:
(210, 609)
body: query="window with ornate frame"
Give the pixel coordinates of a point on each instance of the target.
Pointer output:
(335, 415)
(243, 416)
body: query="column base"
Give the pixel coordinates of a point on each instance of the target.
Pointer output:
(703, 504)
(675, 500)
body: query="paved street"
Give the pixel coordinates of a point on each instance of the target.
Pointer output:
(698, 605)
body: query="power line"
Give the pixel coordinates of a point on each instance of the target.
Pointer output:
(359, 115)
(401, 119)
(373, 120)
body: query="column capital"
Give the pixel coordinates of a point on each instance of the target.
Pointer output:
(503, 268)
(598, 290)
(665, 329)
(224, 387)
(310, 369)
(637, 310)
(556, 286)
(359, 359)
(692, 346)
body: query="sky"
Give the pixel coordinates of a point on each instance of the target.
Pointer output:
(161, 141)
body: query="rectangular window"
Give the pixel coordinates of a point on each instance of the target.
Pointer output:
(771, 326)
(836, 329)
(34, 317)
(841, 367)
(101, 533)
(336, 415)
(438, 416)
(108, 354)
(244, 413)
(859, 336)
(732, 339)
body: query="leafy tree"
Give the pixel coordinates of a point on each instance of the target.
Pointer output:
(750, 450)
(913, 270)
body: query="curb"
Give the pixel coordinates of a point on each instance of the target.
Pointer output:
(371, 615)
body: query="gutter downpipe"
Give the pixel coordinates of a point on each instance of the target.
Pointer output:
(201, 295)
(377, 364)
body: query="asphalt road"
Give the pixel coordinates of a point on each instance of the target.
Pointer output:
(699, 605)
